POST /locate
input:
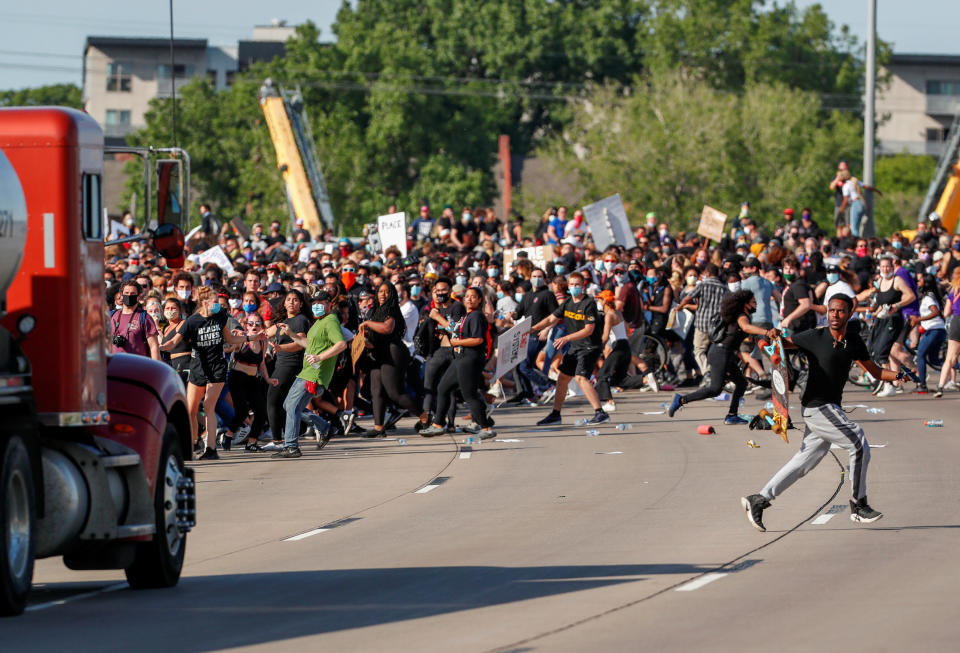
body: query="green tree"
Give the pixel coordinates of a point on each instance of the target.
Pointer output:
(61, 95)
(903, 179)
(674, 144)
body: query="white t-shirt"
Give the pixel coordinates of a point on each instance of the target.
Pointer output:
(851, 189)
(926, 304)
(411, 316)
(506, 305)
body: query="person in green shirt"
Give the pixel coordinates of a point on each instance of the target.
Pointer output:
(322, 344)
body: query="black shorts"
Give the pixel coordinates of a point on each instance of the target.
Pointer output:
(953, 329)
(202, 375)
(904, 332)
(580, 363)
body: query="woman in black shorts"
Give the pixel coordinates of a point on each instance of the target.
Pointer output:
(206, 332)
(471, 347)
(179, 356)
(246, 384)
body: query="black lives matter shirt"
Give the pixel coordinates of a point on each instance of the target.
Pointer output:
(578, 314)
(474, 325)
(205, 337)
(829, 364)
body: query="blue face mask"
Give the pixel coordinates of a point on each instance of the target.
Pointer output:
(215, 308)
(576, 291)
(492, 272)
(559, 268)
(833, 277)
(499, 294)
(517, 296)
(598, 264)
(897, 244)
(414, 291)
(249, 308)
(318, 310)
(651, 280)
(462, 281)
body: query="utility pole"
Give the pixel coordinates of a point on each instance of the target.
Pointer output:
(868, 115)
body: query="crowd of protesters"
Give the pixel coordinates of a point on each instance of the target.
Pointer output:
(304, 335)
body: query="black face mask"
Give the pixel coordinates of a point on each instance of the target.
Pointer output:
(130, 300)
(443, 298)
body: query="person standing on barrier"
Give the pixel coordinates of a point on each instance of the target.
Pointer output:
(830, 351)
(472, 346)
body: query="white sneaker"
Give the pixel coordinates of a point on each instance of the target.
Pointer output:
(609, 407)
(887, 391)
(547, 396)
(652, 382)
(950, 385)
(272, 446)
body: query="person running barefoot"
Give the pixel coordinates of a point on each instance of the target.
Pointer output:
(830, 351)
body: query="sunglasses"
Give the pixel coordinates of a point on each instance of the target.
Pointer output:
(254, 324)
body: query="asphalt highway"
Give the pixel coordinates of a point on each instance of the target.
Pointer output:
(548, 540)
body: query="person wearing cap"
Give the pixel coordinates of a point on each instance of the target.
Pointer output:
(422, 225)
(838, 281)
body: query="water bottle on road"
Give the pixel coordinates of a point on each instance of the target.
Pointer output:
(933, 422)
(624, 427)
(877, 410)
(592, 433)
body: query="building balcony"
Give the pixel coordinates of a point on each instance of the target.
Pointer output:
(943, 105)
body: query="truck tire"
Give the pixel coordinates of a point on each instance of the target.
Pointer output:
(18, 514)
(158, 562)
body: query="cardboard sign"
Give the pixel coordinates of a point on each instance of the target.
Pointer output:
(608, 223)
(681, 322)
(512, 346)
(374, 245)
(216, 256)
(393, 231)
(539, 256)
(240, 228)
(712, 222)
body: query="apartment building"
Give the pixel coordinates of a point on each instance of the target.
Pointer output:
(122, 74)
(916, 111)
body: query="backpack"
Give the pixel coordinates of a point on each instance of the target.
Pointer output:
(425, 338)
(717, 328)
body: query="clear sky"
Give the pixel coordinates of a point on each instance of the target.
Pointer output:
(41, 42)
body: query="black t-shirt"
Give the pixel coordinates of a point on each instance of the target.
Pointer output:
(491, 227)
(298, 324)
(474, 325)
(465, 230)
(271, 240)
(205, 336)
(829, 364)
(791, 299)
(538, 305)
(576, 315)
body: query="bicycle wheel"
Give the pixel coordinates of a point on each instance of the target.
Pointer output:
(652, 351)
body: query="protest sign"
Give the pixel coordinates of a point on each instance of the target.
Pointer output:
(393, 231)
(608, 223)
(512, 347)
(374, 246)
(240, 228)
(216, 256)
(711, 223)
(680, 322)
(539, 256)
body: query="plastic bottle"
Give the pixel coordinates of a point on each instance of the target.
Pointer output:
(878, 411)
(401, 441)
(592, 433)
(624, 427)
(768, 405)
(933, 422)
(469, 440)
(581, 422)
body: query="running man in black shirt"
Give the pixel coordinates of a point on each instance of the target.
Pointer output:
(830, 352)
(584, 332)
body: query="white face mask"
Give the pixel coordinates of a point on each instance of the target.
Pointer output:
(734, 287)
(235, 303)
(183, 294)
(886, 275)
(691, 281)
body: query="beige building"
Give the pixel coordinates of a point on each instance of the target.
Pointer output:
(916, 111)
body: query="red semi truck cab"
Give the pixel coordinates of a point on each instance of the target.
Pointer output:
(92, 445)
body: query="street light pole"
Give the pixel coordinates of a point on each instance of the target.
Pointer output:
(868, 114)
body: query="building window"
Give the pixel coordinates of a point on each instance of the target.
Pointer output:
(229, 78)
(942, 87)
(937, 134)
(116, 117)
(119, 77)
(180, 71)
(212, 76)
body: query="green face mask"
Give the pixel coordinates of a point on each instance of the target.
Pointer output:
(790, 277)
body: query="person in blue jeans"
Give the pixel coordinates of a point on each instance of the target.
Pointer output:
(932, 326)
(322, 344)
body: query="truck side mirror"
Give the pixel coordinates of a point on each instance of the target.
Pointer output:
(168, 241)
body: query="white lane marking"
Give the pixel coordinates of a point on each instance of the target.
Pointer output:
(426, 488)
(823, 519)
(509, 440)
(607, 453)
(303, 536)
(76, 597)
(49, 242)
(700, 582)
(655, 412)
(464, 455)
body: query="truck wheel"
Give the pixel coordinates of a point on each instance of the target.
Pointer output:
(17, 523)
(158, 562)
